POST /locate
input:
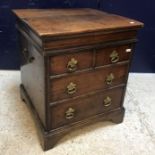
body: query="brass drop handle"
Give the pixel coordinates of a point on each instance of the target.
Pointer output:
(71, 88)
(31, 59)
(72, 65)
(114, 56)
(27, 55)
(69, 114)
(110, 78)
(107, 101)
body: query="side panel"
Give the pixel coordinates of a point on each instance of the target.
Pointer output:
(32, 76)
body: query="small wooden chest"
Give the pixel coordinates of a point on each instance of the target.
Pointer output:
(74, 67)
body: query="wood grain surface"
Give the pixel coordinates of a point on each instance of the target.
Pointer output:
(50, 39)
(87, 81)
(85, 107)
(56, 22)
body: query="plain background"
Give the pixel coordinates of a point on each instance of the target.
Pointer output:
(144, 11)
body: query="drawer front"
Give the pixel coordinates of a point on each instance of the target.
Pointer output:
(111, 55)
(71, 62)
(81, 108)
(87, 39)
(79, 84)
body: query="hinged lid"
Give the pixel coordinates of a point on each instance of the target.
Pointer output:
(60, 22)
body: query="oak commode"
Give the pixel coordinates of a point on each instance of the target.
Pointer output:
(74, 67)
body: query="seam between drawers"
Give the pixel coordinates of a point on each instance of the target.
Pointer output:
(87, 70)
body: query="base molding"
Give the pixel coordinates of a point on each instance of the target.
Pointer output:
(50, 138)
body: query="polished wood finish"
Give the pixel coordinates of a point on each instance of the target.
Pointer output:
(33, 71)
(74, 67)
(60, 22)
(103, 55)
(87, 59)
(85, 107)
(49, 139)
(87, 39)
(59, 63)
(88, 26)
(87, 81)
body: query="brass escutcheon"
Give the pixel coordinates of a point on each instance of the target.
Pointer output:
(70, 113)
(72, 65)
(114, 56)
(107, 101)
(71, 88)
(110, 78)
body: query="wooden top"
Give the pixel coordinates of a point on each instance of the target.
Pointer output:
(55, 22)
